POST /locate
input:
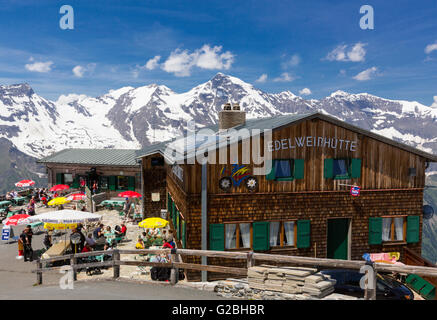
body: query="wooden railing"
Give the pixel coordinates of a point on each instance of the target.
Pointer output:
(251, 257)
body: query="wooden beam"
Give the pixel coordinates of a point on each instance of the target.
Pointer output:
(219, 269)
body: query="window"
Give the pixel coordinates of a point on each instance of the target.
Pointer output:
(122, 182)
(283, 168)
(282, 233)
(68, 178)
(237, 235)
(342, 168)
(104, 183)
(393, 229)
(286, 170)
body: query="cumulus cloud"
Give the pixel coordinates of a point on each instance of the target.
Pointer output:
(430, 48)
(434, 105)
(356, 53)
(285, 77)
(39, 66)
(180, 62)
(293, 61)
(153, 63)
(366, 74)
(305, 92)
(262, 78)
(79, 71)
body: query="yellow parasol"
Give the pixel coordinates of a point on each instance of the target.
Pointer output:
(153, 223)
(58, 201)
(60, 226)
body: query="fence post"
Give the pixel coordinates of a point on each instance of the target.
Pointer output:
(370, 283)
(250, 260)
(116, 267)
(73, 261)
(39, 273)
(174, 273)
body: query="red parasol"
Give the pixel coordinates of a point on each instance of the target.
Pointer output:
(15, 220)
(25, 183)
(129, 194)
(76, 197)
(59, 187)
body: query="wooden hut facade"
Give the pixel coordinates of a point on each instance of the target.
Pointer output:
(334, 190)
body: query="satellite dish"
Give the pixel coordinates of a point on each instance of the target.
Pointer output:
(428, 212)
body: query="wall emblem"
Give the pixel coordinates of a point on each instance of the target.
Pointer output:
(236, 175)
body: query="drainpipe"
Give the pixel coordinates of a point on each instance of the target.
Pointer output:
(204, 201)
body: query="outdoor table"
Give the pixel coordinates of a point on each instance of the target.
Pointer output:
(19, 200)
(4, 204)
(58, 249)
(112, 203)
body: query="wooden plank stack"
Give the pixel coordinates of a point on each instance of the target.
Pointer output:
(294, 280)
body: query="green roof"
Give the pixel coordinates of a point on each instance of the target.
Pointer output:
(96, 157)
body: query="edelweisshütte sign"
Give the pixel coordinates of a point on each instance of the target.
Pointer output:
(310, 141)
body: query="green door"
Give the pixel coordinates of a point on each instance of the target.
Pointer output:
(338, 230)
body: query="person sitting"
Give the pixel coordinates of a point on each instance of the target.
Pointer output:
(8, 196)
(48, 239)
(98, 232)
(87, 248)
(140, 244)
(167, 245)
(90, 241)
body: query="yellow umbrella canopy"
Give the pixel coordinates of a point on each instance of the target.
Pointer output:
(58, 201)
(153, 223)
(59, 226)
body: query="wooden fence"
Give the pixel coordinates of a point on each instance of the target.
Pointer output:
(251, 257)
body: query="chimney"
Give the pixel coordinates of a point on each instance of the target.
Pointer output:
(231, 116)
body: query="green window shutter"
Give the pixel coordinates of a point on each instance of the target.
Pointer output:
(178, 229)
(75, 184)
(303, 233)
(131, 183)
(328, 168)
(356, 168)
(217, 237)
(59, 178)
(173, 210)
(169, 205)
(112, 182)
(271, 175)
(184, 234)
(299, 168)
(375, 230)
(261, 236)
(413, 226)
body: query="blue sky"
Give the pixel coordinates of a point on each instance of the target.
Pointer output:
(317, 45)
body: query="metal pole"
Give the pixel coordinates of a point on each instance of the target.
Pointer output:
(204, 201)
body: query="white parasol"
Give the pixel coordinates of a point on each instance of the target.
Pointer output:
(65, 216)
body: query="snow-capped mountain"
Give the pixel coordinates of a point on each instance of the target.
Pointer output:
(134, 117)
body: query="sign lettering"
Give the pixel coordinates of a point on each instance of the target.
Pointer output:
(312, 142)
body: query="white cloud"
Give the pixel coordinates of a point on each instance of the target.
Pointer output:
(262, 78)
(79, 71)
(293, 61)
(305, 92)
(39, 66)
(366, 74)
(285, 77)
(153, 63)
(431, 47)
(180, 62)
(434, 105)
(341, 53)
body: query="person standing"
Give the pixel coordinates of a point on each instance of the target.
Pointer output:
(26, 238)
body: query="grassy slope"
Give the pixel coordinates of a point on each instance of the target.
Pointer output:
(429, 242)
(16, 166)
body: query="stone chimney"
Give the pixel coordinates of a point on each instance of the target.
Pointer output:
(231, 116)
